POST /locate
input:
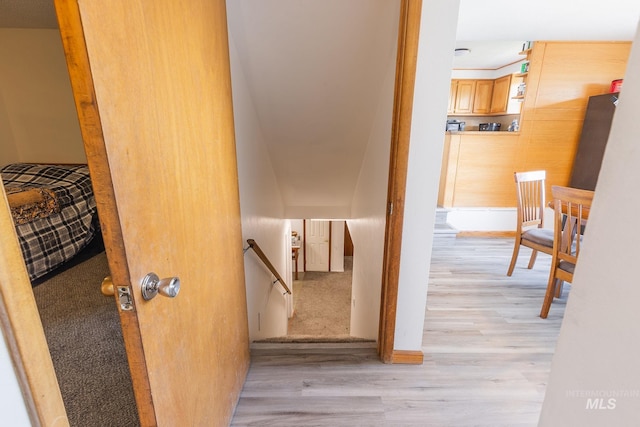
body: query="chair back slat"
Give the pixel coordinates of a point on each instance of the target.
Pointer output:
(530, 198)
(571, 207)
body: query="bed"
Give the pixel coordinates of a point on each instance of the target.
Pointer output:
(54, 212)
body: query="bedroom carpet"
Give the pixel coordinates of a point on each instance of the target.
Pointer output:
(83, 332)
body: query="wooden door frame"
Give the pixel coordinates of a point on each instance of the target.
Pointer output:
(23, 330)
(19, 316)
(406, 61)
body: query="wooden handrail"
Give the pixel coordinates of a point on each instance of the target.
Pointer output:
(253, 245)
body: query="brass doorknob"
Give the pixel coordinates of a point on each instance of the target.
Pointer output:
(106, 287)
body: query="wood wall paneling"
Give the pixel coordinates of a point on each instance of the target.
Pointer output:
(484, 164)
(572, 72)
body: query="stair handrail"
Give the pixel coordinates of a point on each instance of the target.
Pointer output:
(253, 245)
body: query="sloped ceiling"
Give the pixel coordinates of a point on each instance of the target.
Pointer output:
(315, 72)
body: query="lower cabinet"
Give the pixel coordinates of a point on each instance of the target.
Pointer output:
(477, 170)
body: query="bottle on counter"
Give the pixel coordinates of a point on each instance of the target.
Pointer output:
(514, 126)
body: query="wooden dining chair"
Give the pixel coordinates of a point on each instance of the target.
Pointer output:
(571, 209)
(530, 231)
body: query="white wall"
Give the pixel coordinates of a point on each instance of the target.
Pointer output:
(337, 246)
(369, 214)
(598, 348)
(38, 120)
(262, 217)
(12, 406)
(437, 40)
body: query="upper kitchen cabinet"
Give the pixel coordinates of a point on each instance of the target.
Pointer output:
(479, 97)
(482, 100)
(500, 97)
(462, 96)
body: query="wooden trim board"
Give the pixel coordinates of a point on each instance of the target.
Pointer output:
(407, 357)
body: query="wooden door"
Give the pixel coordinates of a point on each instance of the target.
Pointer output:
(151, 80)
(316, 246)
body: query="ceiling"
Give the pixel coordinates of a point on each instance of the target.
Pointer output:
(494, 30)
(487, 55)
(316, 93)
(490, 28)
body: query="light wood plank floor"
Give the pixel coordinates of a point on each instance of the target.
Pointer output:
(487, 355)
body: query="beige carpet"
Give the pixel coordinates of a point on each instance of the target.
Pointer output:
(322, 307)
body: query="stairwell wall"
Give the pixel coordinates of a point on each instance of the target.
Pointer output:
(262, 212)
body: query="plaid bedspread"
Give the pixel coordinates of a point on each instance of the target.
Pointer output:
(48, 242)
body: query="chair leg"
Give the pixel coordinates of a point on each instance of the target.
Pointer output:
(548, 297)
(514, 257)
(532, 260)
(559, 287)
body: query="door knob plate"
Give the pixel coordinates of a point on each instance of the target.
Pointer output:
(152, 285)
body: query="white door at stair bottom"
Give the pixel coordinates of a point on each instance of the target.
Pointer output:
(317, 245)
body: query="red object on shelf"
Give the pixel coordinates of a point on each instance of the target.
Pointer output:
(616, 85)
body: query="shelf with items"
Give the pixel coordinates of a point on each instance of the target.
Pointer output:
(527, 47)
(521, 90)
